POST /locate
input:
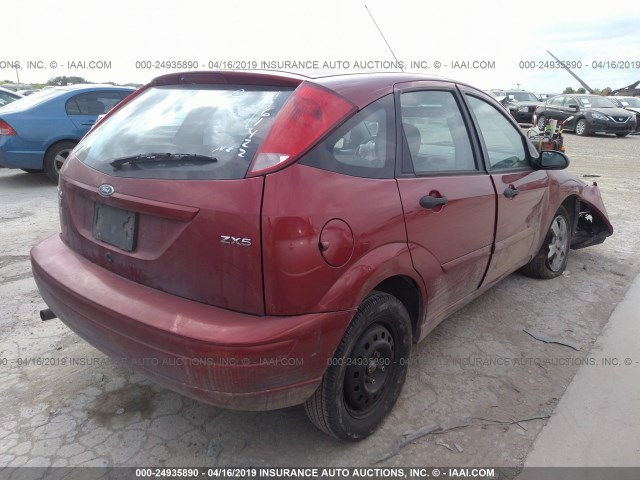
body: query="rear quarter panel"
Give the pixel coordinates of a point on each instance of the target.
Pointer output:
(298, 203)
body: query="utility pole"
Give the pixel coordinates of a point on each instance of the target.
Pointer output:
(17, 75)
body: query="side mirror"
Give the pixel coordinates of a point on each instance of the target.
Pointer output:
(573, 108)
(550, 160)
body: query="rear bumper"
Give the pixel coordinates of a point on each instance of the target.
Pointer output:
(12, 158)
(225, 358)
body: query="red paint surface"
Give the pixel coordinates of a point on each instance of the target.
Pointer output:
(253, 327)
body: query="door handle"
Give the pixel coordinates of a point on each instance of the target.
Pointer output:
(431, 202)
(511, 192)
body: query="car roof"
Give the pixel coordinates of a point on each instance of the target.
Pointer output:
(622, 97)
(348, 84)
(54, 94)
(317, 75)
(87, 86)
(6, 90)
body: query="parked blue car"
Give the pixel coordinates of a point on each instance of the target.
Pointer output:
(38, 132)
(8, 96)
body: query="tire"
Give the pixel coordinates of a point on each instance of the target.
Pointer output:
(32, 170)
(551, 259)
(366, 374)
(621, 135)
(582, 128)
(540, 122)
(55, 157)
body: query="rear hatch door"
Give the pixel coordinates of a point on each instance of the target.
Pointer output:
(157, 192)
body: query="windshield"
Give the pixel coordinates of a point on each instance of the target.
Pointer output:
(522, 96)
(172, 129)
(632, 102)
(6, 98)
(590, 101)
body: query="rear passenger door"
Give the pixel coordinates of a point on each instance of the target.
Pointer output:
(448, 199)
(83, 109)
(554, 108)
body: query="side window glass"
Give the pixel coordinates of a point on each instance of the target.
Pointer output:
(557, 101)
(435, 135)
(504, 144)
(363, 147)
(90, 104)
(111, 99)
(570, 102)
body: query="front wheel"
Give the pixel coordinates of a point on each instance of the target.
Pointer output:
(621, 135)
(551, 259)
(582, 128)
(365, 376)
(55, 158)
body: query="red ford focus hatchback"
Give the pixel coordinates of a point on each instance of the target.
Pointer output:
(261, 240)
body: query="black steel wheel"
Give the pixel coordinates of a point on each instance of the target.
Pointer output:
(365, 376)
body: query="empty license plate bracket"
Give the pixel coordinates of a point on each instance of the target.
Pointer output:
(115, 226)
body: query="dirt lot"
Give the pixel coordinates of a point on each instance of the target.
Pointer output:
(70, 405)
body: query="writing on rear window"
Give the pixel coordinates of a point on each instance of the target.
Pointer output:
(266, 107)
(185, 132)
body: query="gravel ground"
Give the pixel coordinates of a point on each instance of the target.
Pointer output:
(72, 406)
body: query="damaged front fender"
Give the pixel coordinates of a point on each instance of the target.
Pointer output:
(592, 225)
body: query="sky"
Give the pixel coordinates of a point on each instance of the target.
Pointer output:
(491, 44)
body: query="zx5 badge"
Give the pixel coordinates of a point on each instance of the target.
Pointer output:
(243, 242)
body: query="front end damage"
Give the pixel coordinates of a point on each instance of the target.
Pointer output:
(591, 222)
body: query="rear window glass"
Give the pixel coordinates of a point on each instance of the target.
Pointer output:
(364, 146)
(185, 132)
(35, 99)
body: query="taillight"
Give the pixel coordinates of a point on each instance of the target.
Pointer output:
(308, 114)
(6, 129)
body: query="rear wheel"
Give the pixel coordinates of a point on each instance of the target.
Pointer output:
(551, 259)
(540, 123)
(55, 158)
(621, 135)
(581, 127)
(366, 374)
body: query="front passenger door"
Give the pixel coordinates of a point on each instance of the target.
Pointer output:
(520, 189)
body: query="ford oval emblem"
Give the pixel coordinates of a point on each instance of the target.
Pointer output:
(106, 190)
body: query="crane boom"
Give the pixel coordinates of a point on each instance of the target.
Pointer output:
(586, 87)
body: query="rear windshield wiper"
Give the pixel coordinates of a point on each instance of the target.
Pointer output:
(162, 157)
